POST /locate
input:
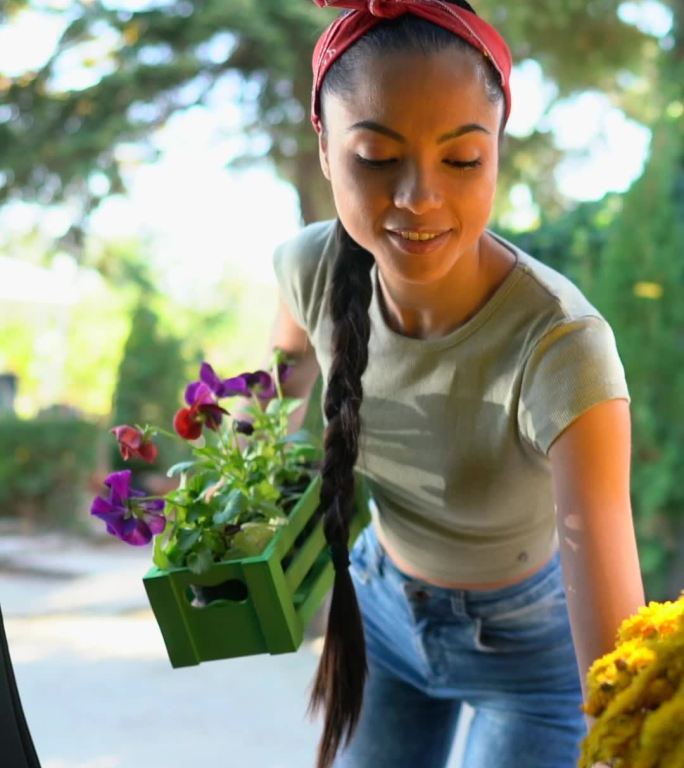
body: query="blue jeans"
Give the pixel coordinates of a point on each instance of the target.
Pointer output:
(507, 652)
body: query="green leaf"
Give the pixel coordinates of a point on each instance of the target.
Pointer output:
(270, 510)
(174, 555)
(178, 497)
(200, 561)
(187, 538)
(222, 517)
(236, 502)
(197, 484)
(290, 404)
(159, 557)
(301, 436)
(176, 509)
(209, 452)
(215, 542)
(182, 466)
(253, 538)
(253, 411)
(266, 490)
(305, 453)
(197, 511)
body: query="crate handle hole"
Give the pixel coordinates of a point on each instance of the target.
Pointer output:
(232, 590)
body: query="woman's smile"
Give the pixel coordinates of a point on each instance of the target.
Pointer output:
(415, 242)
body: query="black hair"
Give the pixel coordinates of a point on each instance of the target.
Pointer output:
(339, 682)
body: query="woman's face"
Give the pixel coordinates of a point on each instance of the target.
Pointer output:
(412, 157)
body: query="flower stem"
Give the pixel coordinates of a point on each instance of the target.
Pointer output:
(166, 433)
(276, 378)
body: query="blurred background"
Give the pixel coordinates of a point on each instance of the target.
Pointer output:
(152, 155)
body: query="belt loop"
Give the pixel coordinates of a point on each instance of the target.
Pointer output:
(380, 556)
(458, 602)
(378, 553)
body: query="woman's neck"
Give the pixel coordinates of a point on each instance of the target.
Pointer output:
(435, 310)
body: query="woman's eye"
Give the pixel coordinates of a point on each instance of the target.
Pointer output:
(370, 163)
(464, 163)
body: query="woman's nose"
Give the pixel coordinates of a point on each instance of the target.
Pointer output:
(417, 190)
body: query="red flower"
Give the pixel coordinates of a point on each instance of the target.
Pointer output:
(204, 409)
(187, 424)
(132, 443)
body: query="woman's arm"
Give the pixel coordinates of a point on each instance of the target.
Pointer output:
(294, 341)
(590, 464)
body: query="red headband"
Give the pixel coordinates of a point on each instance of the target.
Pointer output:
(365, 14)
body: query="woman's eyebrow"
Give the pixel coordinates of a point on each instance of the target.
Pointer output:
(371, 125)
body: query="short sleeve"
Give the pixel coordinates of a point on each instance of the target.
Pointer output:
(573, 367)
(301, 265)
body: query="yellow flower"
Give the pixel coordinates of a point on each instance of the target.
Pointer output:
(645, 290)
(131, 33)
(636, 693)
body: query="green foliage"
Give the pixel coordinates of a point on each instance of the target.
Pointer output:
(235, 492)
(579, 43)
(571, 243)
(17, 345)
(45, 465)
(90, 366)
(639, 286)
(151, 379)
(10, 7)
(56, 139)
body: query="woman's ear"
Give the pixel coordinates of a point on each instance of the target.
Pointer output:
(323, 154)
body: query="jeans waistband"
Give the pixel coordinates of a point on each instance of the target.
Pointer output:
(536, 580)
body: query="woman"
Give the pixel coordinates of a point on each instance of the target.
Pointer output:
(492, 425)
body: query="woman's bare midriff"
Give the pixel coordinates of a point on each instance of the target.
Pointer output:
(407, 569)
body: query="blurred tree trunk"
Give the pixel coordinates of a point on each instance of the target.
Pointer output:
(315, 198)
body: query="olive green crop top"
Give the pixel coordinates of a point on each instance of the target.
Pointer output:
(456, 430)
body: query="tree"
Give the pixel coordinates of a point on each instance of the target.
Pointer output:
(638, 287)
(171, 56)
(151, 378)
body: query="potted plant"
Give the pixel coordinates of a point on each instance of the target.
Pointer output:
(636, 693)
(240, 561)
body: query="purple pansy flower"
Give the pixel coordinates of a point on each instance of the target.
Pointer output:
(247, 383)
(209, 377)
(127, 516)
(244, 427)
(259, 383)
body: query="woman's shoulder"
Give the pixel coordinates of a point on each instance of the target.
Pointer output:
(309, 245)
(302, 265)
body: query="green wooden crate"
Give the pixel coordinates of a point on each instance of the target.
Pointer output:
(274, 595)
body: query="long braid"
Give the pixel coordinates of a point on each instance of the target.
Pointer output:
(339, 682)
